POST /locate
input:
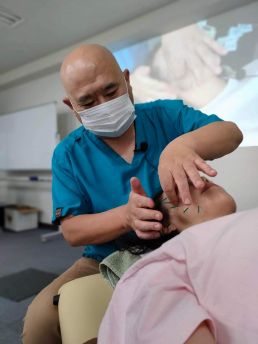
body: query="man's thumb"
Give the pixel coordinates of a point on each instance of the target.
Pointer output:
(137, 187)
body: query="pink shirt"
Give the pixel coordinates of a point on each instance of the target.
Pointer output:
(208, 272)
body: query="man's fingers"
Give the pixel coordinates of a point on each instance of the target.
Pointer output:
(148, 214)
(168, 184)
(148, 235)
(147, 226)
(141, 201)
(183, 186)
(193, 174)
(205, 168)
(137, 187)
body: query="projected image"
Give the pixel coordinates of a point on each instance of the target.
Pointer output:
(211, 65)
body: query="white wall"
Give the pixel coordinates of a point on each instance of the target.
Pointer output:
(43, 90)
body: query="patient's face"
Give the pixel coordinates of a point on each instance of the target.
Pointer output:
(213, 202)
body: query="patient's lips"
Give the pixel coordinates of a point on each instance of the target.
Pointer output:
(207, 186)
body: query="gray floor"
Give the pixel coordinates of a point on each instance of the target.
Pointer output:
(19, 251)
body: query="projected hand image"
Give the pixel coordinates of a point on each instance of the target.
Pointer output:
(229, 98)
(148, 89)
(187, 87)
(211, 65)
(192, 49)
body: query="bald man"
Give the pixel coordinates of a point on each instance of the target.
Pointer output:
(106, 172)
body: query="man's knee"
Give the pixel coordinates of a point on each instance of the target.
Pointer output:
(43, 313)
(87, 266)
(41, 318)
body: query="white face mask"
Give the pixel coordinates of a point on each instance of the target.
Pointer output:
(110, 119)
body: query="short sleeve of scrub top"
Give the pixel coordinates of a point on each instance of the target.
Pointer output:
(67, 198)
(187, 119)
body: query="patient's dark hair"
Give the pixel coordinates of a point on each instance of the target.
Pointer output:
(138, 246)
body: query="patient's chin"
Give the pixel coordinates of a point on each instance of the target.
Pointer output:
(229, 205)
(222, 203)
(234, 206)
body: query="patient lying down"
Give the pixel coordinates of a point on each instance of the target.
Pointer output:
(208, 203)
(199, 287)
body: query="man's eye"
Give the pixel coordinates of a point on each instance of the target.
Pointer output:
(89, 104)
(111, 94)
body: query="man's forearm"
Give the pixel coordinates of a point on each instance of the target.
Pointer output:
(213, 140)
(92, 229)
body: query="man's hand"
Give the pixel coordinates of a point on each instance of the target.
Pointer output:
(177, 161)
(137, 213)
(192, 49)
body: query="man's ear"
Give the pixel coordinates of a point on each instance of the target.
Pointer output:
(127, 79)
(127, 75)
(172, 228)
(67, 102)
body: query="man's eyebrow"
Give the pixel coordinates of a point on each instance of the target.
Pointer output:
(83, 99)
(109, 86)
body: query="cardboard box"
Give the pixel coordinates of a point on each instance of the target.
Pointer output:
(20, 217)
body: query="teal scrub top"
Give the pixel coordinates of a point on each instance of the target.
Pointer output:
(89, 177)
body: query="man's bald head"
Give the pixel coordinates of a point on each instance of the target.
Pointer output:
(87, 71)
(84, 62)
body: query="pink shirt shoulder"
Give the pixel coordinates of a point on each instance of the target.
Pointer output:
(208, 272)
